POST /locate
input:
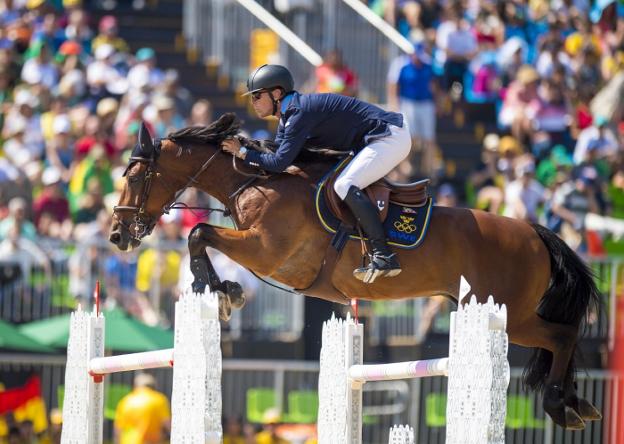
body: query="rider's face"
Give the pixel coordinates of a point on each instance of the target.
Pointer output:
(262, 103)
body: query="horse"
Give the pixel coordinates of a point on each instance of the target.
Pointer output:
(548, 289)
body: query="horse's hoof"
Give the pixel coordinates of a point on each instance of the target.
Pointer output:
(198, 286)
(572, 420)
(560, 413)
(587, 410)
(236, 294)
(566, 417)
(225, 307)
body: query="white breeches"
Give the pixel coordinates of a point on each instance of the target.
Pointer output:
(375, 160)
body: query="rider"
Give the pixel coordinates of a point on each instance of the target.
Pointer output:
(380, 139)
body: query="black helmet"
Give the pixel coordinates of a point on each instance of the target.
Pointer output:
(270, 76)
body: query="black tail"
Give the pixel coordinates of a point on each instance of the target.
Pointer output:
(571, 294)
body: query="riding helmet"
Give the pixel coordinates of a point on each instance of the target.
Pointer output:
(270, 76)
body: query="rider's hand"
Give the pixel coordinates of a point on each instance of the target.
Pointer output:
(231, 145)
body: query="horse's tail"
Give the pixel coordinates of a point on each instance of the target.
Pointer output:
(568, 299)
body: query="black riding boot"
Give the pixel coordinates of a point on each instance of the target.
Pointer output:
(383, 261)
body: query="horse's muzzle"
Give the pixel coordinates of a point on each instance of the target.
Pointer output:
(120, 237)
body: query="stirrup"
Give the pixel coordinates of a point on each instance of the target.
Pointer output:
(370, 273)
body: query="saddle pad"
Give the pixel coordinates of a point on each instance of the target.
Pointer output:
(405, 226)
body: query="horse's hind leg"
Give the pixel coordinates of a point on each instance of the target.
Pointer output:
(585, 409)
(560, 341)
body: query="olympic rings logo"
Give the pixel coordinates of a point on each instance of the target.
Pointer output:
(404, 225)
(405, 228)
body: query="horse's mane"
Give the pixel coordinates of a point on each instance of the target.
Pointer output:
(228, 126)
(225, 126)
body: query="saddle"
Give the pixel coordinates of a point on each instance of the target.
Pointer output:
(381, 193)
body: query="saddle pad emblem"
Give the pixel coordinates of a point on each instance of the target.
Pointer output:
(405, 225)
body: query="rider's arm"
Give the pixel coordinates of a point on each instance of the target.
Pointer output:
(291, 142)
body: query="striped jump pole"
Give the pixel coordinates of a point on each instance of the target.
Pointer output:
(477, 369)
(196, 362)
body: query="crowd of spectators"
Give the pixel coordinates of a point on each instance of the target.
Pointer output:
(553, 72)
(72, 96)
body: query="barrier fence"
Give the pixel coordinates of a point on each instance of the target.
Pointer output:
(196, 357)
(418, 402)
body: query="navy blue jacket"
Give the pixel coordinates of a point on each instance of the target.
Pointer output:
(323, 121)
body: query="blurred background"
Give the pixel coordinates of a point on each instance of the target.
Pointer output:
(515, 107)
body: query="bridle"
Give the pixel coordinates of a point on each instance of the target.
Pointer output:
(144, 223)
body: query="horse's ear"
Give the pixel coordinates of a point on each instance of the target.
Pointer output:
(145, 140)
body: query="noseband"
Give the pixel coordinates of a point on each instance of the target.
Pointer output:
(143, 222)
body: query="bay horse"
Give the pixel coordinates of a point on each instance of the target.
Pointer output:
(547, 288)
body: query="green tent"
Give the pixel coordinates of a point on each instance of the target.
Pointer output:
(123, 333)
(12, 339)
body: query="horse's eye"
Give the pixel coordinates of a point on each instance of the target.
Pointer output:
(133, 179)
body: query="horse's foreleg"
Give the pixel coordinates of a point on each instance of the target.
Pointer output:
(230, 293)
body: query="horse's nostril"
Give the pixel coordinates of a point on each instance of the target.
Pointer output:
(115, 238)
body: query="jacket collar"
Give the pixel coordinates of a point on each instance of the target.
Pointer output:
(286, 101)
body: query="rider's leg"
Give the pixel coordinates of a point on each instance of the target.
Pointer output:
(371, 164)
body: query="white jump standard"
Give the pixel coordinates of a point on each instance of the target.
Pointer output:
(196, 394)
(477, 370)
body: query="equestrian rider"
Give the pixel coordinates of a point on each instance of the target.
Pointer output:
(380, 139)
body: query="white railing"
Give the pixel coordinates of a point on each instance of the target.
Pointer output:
(368, 45)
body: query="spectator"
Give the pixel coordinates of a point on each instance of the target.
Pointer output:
(558, 162)
(106, 110)
(168, 120)
(24, 113)
(233, 430)
(15, 247)
(446, 196)
(201, 113)
(94, 137)
(485, 183)
(17, 218)
(456, 44)
(171, 87)
(90, 183)
(333, 76)
(412, 90)
(78, 29)
(143, 415)
(146, 62)
(524, 195)
(600, 137)
(511, 56)
(109, 35)
(53, 204)
(102, 76)
(60, 151)
(521, 103)
(39, 68)
(268, 434)
(486, 84)
(571, 203)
